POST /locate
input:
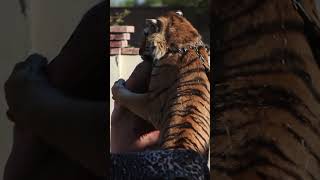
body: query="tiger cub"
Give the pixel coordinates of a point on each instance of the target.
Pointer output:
(178, 98)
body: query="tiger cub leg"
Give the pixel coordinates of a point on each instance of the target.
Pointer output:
(135, 102)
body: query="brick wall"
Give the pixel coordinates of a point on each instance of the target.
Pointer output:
(119, 41)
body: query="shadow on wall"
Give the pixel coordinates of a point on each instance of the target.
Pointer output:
(138, 15)
(14, 45)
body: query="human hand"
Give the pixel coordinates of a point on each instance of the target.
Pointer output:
(118, 88)
(25, 83)
(128, 131)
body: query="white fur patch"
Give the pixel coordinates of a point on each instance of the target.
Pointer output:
(179, 12)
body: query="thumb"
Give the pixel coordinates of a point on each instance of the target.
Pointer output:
(37, 63)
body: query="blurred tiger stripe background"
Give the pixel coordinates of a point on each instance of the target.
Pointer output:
(267, 91)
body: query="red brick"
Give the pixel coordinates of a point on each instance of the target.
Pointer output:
(122, 29)
(123, 43)
(130, 51)
(121, 36)
(115, 51)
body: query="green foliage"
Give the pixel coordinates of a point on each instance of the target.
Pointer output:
(124, 3)
(153, 3)
(117, 19)
(178, 3)
(201, 6)
(128, 3)
(186, 3)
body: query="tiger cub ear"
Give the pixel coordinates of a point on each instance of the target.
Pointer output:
(152, 26)
(179, 12)
(151, 21)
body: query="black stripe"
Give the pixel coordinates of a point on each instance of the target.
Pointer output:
(255, 144)
(249, 10)
(193, 82)
(187, 141)
(179, 95)
(292, 111)
(277, 55)
(264, 97)
(185, 74)
(168, 106)
(178, 103)
(186, 112)
(223, 131)
(203, 144)
(304, 76)
(264, 176)
(183, 126)
(189, 126)
(169, 65)
(259, 93)
(181, 142)
(299, 139)
(190, 111)
(193, 92)
(204, 123)
(202, 119)
(252, 34)
(206, 107)
(171, 136)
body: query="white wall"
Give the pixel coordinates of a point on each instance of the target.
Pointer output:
(14, 45)
(121, 67)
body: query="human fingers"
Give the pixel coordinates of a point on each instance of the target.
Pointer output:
(147, 140)
(120, 82)
(24, 82)
(25, 70)
(117, 86)
(36, 63)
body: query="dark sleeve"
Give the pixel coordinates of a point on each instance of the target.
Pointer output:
(80, 69)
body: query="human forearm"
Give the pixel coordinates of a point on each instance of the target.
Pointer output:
(135, 102)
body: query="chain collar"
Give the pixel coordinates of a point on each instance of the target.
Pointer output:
(196, 48)
(186, 49)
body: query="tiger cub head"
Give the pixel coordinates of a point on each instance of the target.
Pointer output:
(169, 31)
(155, 46)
